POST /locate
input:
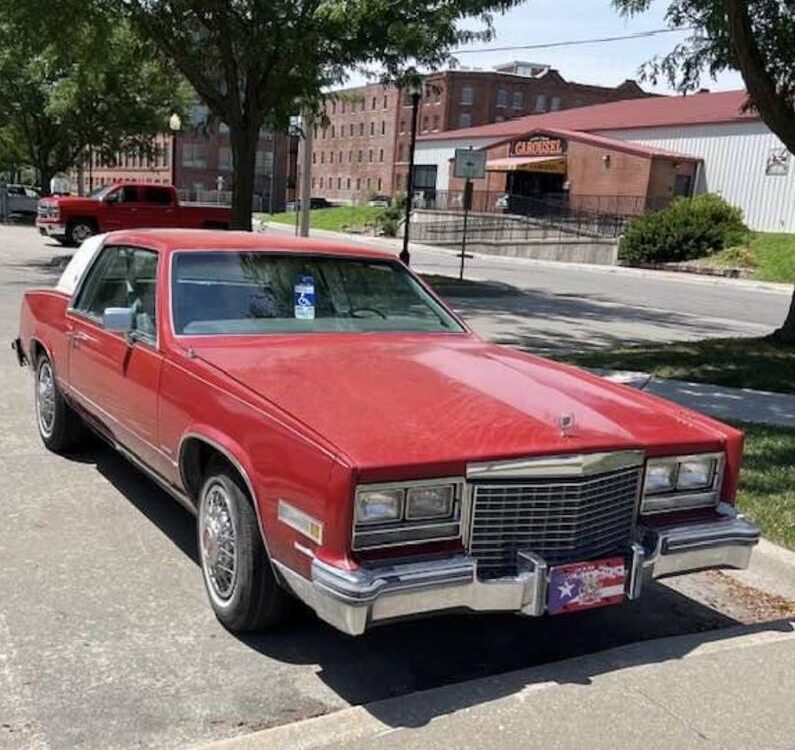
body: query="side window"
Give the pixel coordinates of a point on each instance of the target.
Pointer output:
(159, 195)
(122, 277)
(129, 194)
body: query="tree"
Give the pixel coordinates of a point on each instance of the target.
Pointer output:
(250, 61)
(86, 82)
(755, 37)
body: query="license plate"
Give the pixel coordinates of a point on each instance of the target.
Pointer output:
(586, 585)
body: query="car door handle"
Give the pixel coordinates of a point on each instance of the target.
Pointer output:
(78, 336)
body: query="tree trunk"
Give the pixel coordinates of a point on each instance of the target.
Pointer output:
(244, 157)
(786, 334)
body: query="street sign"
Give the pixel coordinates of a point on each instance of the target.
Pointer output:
(469, 164)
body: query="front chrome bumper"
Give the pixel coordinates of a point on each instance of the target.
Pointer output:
(51, 229)
(353, 600)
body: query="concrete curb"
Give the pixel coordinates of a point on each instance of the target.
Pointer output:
(418, 709)
(391, 244)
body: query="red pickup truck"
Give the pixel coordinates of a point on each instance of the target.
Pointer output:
(71, 220)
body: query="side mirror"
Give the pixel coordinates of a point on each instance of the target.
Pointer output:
(118, 319)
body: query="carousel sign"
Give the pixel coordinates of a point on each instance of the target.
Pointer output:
(539, 145)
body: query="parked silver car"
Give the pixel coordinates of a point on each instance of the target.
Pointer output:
(18, 202)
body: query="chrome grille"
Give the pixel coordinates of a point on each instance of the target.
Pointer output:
(565, 519)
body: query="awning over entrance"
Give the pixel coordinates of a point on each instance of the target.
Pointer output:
(555, 164)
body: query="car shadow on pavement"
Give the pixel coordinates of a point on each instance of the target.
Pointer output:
(547, 323)
(402, 658)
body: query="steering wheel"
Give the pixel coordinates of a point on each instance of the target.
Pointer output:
(352, 312)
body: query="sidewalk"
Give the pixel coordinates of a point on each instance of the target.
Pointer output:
(742, 404)
(729, 689)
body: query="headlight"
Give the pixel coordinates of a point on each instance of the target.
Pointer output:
(402, 513)
(696, 474)
(682, 482)
(660, 477)
(430, 502)
(379, 506)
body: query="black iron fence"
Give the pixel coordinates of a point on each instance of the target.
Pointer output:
(552, 213)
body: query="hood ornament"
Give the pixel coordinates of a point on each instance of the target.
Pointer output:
(566, 423)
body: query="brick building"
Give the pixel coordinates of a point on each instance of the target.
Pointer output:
(365, 146)
(203, 170)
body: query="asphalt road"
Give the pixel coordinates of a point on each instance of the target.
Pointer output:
(556, 308)
(107, 641)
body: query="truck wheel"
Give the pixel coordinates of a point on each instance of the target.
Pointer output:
(243, 590)
(79, 231)
(61, 429)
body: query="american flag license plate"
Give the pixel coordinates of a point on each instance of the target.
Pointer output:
(586, 585)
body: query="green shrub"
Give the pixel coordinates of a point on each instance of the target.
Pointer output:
(689, 228)
(389, 218)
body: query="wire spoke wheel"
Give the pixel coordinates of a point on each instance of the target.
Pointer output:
(45, 398)
(218, 539)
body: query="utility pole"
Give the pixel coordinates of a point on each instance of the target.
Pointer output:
(306, 172)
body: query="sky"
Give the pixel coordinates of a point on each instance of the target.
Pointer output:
(547, 21)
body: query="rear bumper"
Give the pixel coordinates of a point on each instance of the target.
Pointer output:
(353, 600)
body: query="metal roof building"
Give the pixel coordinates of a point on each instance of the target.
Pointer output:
(738, 156)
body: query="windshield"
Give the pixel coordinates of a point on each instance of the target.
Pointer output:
(265, 292)
(101, 191)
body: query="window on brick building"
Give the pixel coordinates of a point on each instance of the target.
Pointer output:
(339, 182)
(541, 103)
(372, 128)
(323, 133)
(351, 128)
(373, 107)
(368, 183)
(358, 183)
(379, 184)
(402, 128)
(383, 127)
(332, 131)
(330, 157)
(349, 183)
(321, 182)
(193, 155)
(370, 155)
(342, 104)
(467, 95)
(322, 157)
(464, 120)
(502, 98)
(360, 156)
(339, 158)
(313, 182)
(361, 128)
(314, 157)
(350, 156)
(381, 155)
(333, 107)
(386, 102)
(518, 100)
(554, 105)
(314, 132)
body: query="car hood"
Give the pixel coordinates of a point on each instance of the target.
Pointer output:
(67, 201)
(391, 401)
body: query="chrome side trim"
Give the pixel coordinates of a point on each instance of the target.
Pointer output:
(175, 492)
(567, 465)
(93, 405)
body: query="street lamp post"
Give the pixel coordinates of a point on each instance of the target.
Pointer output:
(415, 92)
(174, 125)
